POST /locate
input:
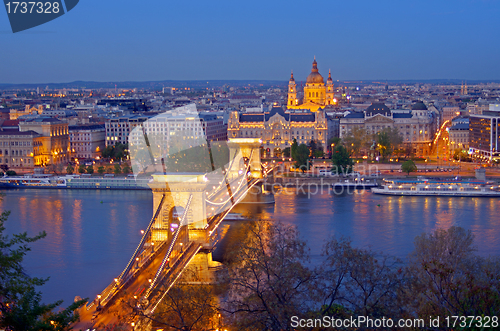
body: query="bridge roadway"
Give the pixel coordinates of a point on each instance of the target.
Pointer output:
(120, 309)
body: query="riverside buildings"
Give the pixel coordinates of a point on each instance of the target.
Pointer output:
(54, 137)
(87, 141)
(184, 122)
(459, 133)
(416, 126)
(484, 139)
(303, 119)
(20, 150)
(119, 128)
(278, 128)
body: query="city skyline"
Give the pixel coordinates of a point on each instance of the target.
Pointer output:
(256, 41)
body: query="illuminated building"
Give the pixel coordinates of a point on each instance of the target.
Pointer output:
(450, 112)
(87, 141)
(20, 150)
(278, 128)
(54, 137)
(16, 113)
(119, 128)
(484, 135)
(316, 93)
(303, 119)
(459, 133)
(416, 126)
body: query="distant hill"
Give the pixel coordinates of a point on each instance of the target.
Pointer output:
(147, 85)
(201, 84)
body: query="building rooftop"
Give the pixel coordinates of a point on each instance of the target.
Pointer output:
(419, 105)
(402, 115)
(86, 127)
(16, 132)
(42, 119)
(460, 126)
(378, 108)
(355, 114)
(293, 117)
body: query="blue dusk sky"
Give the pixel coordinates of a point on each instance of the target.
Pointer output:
(111, 40)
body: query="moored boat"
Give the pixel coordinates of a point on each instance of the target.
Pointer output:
(428, 187)
(74, 182)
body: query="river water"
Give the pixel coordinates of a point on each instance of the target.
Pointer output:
(92, 234)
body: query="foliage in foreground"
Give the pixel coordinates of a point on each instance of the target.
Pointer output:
(268, 279)
(20, 303)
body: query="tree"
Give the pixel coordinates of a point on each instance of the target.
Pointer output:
(387, 140)
(81, 169)
(293, 149)
(384, 144)
(302, 157)
(447, 278)
(316, 148)
(359, 281)
(126, 169)
(100, 170)
(120, 152)
(356, 139)
(117, 152)
(461, 155)
(117, 170)
(312, 145)
(90, 169)
(286, 152)
(332, 142)
(70, 170)
(408, 166)
(342, 162)
(267, 279)
(107, 152)
(11, 173)
(20, 303)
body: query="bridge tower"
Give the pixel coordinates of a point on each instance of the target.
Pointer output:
(181, 190)
(244, 150)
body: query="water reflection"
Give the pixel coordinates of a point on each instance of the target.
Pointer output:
(385, 223)
(90, 235)
(77, 226)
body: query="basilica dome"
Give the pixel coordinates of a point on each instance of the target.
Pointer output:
(314, 77)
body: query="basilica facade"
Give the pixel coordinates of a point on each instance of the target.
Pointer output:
(316, 94)
(302, 119)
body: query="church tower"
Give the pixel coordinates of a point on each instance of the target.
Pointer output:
(314, 91)
(329, 89)
(316, 94)
(292, 92)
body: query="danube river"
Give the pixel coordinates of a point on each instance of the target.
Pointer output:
(92, 234)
